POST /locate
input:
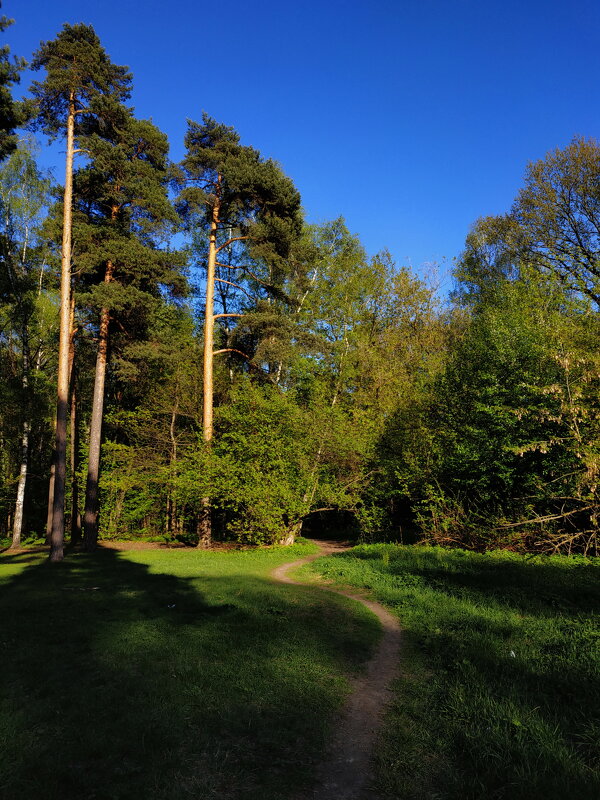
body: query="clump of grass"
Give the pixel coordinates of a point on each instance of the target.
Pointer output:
(168, 674)
(500, 694)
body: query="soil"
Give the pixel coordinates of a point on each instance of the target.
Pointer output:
(346, 770)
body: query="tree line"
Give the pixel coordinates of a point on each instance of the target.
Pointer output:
(183, 357)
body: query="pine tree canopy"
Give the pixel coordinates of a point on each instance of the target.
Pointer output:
(255, 198)
(78, 70)
(10, 112)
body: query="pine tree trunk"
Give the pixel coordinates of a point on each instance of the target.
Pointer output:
(58, 508)
(204, 522)
(75, 515)
(90, 517)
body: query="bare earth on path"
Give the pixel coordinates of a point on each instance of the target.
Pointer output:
(346, 771)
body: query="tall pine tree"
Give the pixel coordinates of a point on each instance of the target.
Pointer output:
(123, 219)
(79, 74)
(244, 205)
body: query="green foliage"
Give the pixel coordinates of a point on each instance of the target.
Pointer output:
(558, 212)
(512, 428)
(11, 114)
(78, 70)
(341, 382)
(293, 434)
(27, 330)
(123, 215)
(255, 209)
(502, 447)
(257, 469)
(255, 198)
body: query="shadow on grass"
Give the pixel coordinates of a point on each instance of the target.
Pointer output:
(121, 683)
(540, 584)
(510, 649)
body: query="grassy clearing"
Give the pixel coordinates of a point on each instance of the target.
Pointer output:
(501, 690)
(168, 674)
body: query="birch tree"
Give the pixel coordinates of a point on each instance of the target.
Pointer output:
(24, 193)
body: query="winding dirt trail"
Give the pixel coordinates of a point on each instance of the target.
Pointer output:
(345, 772)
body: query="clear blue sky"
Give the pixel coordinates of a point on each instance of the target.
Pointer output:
(409, 118)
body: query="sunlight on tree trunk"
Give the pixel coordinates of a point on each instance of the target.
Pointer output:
(205, 526)
(75, 515)
(58, 511)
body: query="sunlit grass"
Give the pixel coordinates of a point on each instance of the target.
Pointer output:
(168, 674)
(500, 694)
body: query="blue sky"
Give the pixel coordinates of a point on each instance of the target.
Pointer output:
(409, 118)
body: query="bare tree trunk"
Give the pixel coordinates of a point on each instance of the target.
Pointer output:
(90, 517)
(58, 507)
(75, 515)
(204, 522)
(171, 502)
(168, 515)
(50, 498)
(209, 327)
(20, 502)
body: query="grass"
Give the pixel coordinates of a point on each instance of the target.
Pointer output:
(500, 693)
(168, 674)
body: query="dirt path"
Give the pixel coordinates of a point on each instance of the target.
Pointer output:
(346, 772)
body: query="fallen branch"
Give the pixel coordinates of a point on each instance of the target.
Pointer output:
(548, 518)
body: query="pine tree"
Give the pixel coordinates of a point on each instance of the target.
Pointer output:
(10, 112)
(122, 217)
(79, 75)
(250, 212)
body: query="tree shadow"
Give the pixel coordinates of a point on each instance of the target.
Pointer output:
(541, 586)
(513, 654)
(119, 682)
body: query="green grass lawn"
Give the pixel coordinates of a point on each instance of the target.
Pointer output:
(168, 674)
(500, 693)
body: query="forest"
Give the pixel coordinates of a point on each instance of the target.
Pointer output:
(228, 372)
(280, 518)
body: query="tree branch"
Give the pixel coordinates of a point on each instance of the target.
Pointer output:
(548, 518)
(230, 283)
(230, 241)
(231, 350)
